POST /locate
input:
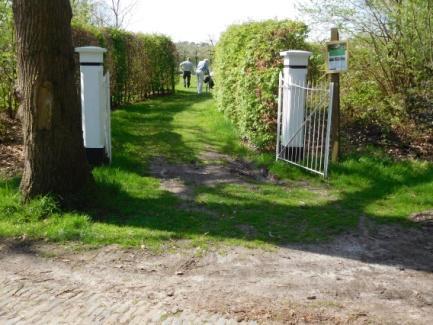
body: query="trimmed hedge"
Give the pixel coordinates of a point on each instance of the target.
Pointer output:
(140, 65)
(7, 60)
(247, 64)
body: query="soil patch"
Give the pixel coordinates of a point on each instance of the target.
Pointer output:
(212, 169)
(11, 147)
(413, 140)
(424, 218)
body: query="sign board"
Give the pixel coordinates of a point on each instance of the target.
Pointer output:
(338, 57)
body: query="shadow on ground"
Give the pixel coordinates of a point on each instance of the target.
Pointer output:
(250, 208)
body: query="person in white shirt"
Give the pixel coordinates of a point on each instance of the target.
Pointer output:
(187, 68)
(202, 70)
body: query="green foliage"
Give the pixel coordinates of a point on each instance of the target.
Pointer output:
(195, 51)
(389, 85)
(361, 97)
(7, 58)
(140, 65)
(247, 64)
(117, 43)
(82, 12)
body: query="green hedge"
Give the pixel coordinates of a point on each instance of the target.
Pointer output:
(247, 64)
(7, 59)
(140, 65)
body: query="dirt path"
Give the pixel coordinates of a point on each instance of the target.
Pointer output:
(213, 169)
(328, 283)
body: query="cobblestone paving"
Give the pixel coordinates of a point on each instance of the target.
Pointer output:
(52, 285)
(51, 292)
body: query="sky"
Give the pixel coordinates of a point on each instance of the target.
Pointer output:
(200, 20)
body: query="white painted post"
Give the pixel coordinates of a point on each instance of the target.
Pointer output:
(295, 72)
(93, 102)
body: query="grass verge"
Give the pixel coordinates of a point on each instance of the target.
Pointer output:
(129, 208)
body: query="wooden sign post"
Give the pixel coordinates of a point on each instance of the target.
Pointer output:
(335, 131)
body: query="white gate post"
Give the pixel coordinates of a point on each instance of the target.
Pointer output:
(92, 102)
(294, 72)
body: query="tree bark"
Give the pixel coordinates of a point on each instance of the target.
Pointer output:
(55, 161)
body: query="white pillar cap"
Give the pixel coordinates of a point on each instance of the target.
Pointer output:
(91, 54)
(296, 57)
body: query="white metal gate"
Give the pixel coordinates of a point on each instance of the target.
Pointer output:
(106, 110)
(304, 125)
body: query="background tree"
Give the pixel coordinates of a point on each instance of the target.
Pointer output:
(389, 85)
(83, 12)
(120, 11)
(55, 160)
(91, 13)
(398, 34)
(195, 51)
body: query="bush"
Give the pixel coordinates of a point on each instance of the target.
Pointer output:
(387, 93)
(140, 65)
(399, 120)
(247, 65)
(7, 59)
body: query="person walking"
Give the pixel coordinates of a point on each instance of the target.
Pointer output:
(187, 68)
(202, 70)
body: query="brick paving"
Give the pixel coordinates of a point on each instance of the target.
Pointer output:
(51, 292)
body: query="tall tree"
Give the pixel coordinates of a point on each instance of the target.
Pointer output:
(121, 11)
(55, 160)
(398, 34)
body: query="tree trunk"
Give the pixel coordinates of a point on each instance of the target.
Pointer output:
(55, 161)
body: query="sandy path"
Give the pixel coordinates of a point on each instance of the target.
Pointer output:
(330, 283)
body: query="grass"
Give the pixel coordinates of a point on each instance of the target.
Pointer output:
(129, 208)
